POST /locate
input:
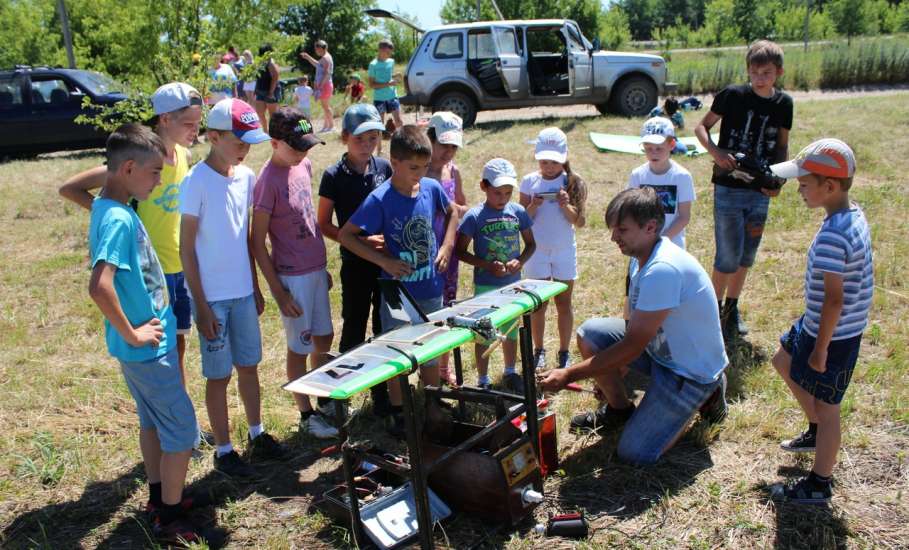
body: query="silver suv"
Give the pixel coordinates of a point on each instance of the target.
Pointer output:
(471, 67)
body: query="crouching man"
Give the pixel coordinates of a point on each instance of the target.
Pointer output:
(673, 336)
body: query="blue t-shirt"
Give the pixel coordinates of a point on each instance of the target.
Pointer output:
(116, 236)
(496, 236)
(406, 224)
(381, 72)
(690, 341)
(842, 246)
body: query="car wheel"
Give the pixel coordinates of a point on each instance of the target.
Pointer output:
(458, 103)
(633, 97)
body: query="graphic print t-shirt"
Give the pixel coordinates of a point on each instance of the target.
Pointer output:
(406, 224)
(674, 187)
(116, 236)
(751, 125)
(297, 246)
(160, 212)
(496, 236)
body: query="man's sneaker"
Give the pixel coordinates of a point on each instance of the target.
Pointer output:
(803, 443)
(514, 383)
(178, 532)
(265, 447)
(318, 426)
(564, 358)
(714, 410)
(395, 425)
(804, 491)
(605, 416)
(539, 359)
(232, 465)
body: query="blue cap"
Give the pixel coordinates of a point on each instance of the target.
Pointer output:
(361, 117)
(499, 172)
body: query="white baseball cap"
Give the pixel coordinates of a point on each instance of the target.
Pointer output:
(499, 172)
(825, 157)
(448, 128)
(657, 130)
(174, 96)
(552, 144)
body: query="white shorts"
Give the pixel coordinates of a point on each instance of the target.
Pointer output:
(310, 292)
(556, 263)
(249, 86)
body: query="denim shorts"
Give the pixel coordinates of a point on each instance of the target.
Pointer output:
(161, 401)
(739, 216)
(310, 292)
(828, 386)
(387, 106)
(669, 402)
(238, 342)
(180, 301)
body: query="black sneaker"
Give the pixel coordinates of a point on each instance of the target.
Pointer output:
(514, 383)
(803, 443)
(564, 359)
(605, 416)
(539, 359)
(395, 425)
(265, 447)
(714, 410)
(207, 438)
(804, 491)
(732, 322)
(232, 465)
(179, 533)
(189, 502)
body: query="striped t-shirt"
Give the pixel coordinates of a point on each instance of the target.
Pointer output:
(842, 246)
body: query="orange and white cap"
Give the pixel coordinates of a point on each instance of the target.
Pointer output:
(825, 157)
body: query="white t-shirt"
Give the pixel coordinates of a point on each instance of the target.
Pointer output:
(303, 93)
(690, 341)
(222, 205)
(674, 187)
(551, 229)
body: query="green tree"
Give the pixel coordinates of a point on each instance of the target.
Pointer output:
(753, 18)
(789, 24)
(26, 33)
(850, 17)
(342, 24)
(587, 13)
(641, 16)
(717, 30)
(615, 32)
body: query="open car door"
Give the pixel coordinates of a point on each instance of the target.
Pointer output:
(580, 66)
(511, 64)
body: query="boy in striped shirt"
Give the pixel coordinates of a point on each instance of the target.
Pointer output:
(818, 354)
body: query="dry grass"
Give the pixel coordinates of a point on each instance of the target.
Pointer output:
(70, 472)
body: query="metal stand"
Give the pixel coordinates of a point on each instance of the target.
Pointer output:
(418, 472)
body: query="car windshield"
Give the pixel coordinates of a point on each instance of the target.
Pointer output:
(99, 84)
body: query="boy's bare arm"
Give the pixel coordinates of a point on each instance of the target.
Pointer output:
(530, 246)
(205, 318)
(683, 216)
(257, 292)
(831, 311)
(349, 239)
(324, 218)
(462, 253)
(451, 230)
(101, 289)
(702, 131)
(285, 301)
(78, 188)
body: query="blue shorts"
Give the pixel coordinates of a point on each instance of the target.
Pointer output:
(180, 301)
(738, 219)
(387, 106)
(237, 343)
(161, 401)
(669, 402)
(828, 386)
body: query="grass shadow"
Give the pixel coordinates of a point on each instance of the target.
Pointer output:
(496, 126)
(64, 524)
(743, 357)
(807, 527)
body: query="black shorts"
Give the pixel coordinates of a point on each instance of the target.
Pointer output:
(828, 386)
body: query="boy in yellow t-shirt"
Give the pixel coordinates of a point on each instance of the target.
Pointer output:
(178, 113)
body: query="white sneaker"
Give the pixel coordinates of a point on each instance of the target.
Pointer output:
(317, 426)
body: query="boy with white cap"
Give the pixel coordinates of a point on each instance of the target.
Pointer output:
(818, 354)
(496, 228)
(672, 182)
(215, 200)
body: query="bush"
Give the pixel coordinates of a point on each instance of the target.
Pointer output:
(615, 31)
(790, 25)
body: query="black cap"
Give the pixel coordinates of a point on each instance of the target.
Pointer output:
(291, 126)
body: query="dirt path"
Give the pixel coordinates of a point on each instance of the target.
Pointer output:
(532, 113)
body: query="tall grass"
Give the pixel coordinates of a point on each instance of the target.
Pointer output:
(837, 65)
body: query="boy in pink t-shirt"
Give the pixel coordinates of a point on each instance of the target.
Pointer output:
(295, 270)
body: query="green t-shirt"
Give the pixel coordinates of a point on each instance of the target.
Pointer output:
(381, 72)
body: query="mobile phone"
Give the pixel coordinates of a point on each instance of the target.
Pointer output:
(551, 196)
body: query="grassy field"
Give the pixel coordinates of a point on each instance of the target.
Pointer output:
(70, 470)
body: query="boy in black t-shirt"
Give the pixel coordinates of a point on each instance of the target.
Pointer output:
(345, 185)
(754, 133)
